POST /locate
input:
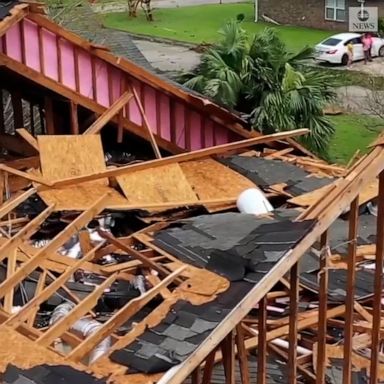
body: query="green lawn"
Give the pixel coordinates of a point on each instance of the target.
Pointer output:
(353, 132)
(199, 24)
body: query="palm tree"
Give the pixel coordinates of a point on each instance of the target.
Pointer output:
(267, 83)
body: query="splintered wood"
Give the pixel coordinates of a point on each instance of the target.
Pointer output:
(75, 155)
(210, 179)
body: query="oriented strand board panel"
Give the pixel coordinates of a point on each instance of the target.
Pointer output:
(213, 180)
(65, 156)
(157, 185)
(81, 197)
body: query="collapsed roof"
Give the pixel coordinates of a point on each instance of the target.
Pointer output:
(137, 267)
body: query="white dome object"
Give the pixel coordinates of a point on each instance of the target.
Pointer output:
(254, 202)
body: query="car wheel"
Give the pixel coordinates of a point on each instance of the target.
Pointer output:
(344, 59)
(381, 51)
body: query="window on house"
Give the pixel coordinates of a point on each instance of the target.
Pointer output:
(335, 10)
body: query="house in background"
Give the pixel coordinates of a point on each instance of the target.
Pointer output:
(322, 14)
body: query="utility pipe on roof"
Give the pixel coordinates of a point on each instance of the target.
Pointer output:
(84, 326)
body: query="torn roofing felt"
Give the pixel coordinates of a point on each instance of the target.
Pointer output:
(266, 172)
(5, 8)
(234, 245)
(46, 374)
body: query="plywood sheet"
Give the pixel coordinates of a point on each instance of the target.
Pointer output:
(157, 185)
(213, 180)
(81, 197)
(65, 156)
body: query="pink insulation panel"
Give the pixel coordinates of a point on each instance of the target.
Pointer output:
(81, 71)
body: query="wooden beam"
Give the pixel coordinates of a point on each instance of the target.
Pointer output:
(120, 317)
(228, 348)
(74, 118)
(112, 111)
(293, 314)
(25, 175)
(11, 268)
(208, 368)
(24, 233)
(12, 203)
(262, 342)
(35, 302)
(17, 106)
(378, 284)
(28, 138)
(182, 157)
(350, 299)
(242, 355)
(39, 288)
(76, 313)
(323, 304)
(55, 243)
(146, 124)
(147, 262)
(85, 102)
(17, 13)
(49, 116)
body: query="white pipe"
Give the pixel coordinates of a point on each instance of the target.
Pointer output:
(84, 326)
(256, 11)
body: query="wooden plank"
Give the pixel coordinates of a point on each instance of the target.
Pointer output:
(157, 185)
(293, 314)
(49, 116)
(377, 296)
(262, 342)
(182, 157)
(28, 138)
(72, 159)
(17, 13)
(243, 356)
(112, 111)
(208, 368)
(146, 124)
(11, 268)
(323, 304)
(17, 106)
(74, 118)
(351, 281)
(120, 317)
(55, 243)
(47, 292)
(81, 197)
(136, 254)
(86, 102)
(25, 175)
(76, 313)
(24, 233)
(210, 179)
(229, 358)
(39, 287)
(12, 203)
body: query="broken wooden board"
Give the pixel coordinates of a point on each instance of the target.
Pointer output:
(211, 179)
(78, 155)
(157, 185)
(63, 156)
(82, 197)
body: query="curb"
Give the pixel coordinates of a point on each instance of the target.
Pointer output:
(164, 40)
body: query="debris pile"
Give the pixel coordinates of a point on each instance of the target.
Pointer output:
(134, 265)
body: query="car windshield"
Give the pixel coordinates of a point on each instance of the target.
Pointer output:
(331, 41)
